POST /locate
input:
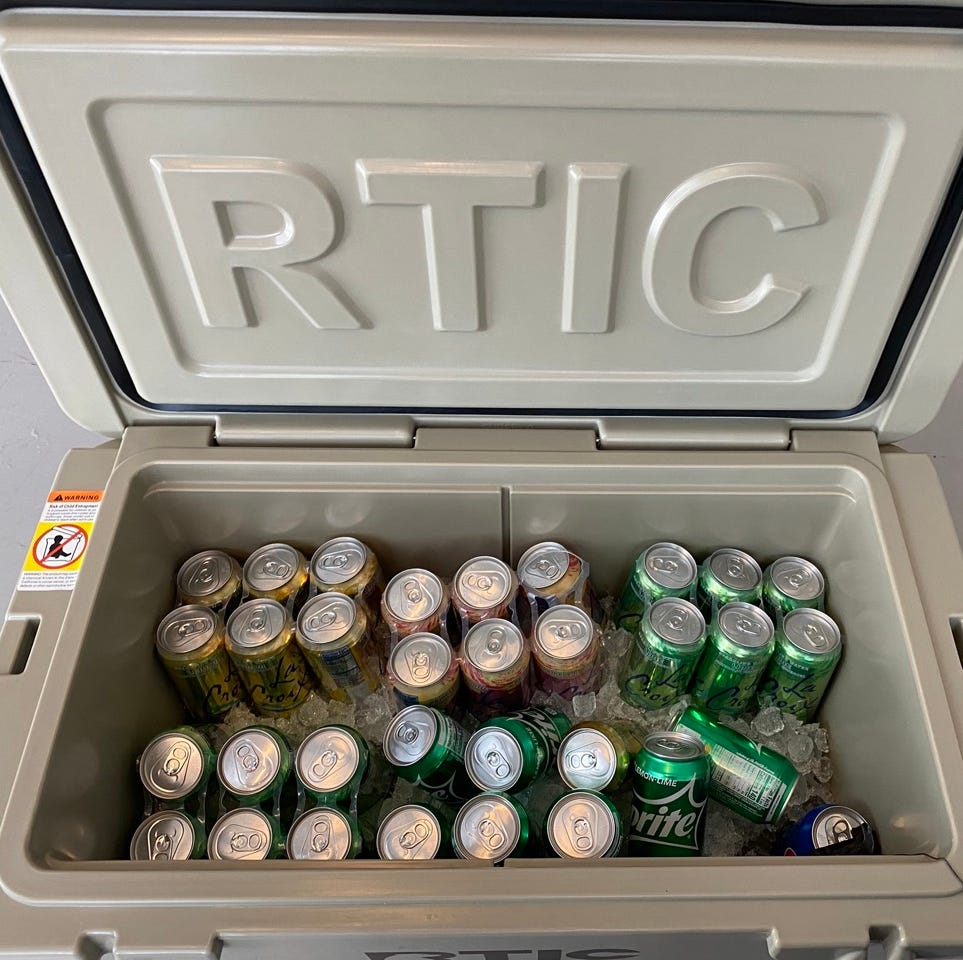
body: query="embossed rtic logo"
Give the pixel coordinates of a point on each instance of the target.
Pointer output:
(602, 953)
(199, 193)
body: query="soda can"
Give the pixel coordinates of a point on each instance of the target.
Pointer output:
(490, 828)
(584, 825)
(334, 635)
(808, 648)
(169, 835)
(670, 788)
(191, 645)
(551, 574)
(749, 779)
(423, 669)
(427, 748)
(496, 668)
(247, 833)
(790, 583)
(212, 579)
(827, 830)
(254, 765)
(509, 753)
(663, 657)
(729, 575)
(260, 641)
(277, 571)
(739, 643)
(598, 756)
(414, 831)
(177, 765)
(566, 645)
(662, 571)
(484, 589)
(415, 601)
(324, 833)
(346, 565)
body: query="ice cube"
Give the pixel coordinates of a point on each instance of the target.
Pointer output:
(739, 724)
(823, 769)
(583, 705)
(801, 752)
(821, 740)
(725, 833)
(792, 723)
(768, 722)
(373, 714)
(617, 644)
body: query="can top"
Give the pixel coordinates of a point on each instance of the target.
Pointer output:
(204, 574)
(543, 565)
(409, 832)
(494, 645)
(171, 766)
(797, 578)
(410, 735)
(494, 759)
(669, 565)
(673, 745)
(256, 623)
(413, 595)
(168, 835)
(677, 622)
(587, 759)
(328, 759)
(338, 560)
(484, 583)
(487, 827)
(582, 826)
(745, 625)
(323, 833)
(186, 629)
(271, 567)
(835, 824)
(242, 834)
(564, 632)
(811, 631)
(326, 618)
(735, 569)
(421, 659)
(249, 761)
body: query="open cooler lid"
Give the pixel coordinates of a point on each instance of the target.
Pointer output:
(310, 213)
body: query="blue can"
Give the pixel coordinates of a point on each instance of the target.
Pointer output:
(827, 830)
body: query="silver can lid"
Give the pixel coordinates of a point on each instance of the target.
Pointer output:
(326, 618)
(677, 622)
(587, 759)
(484, 583)
(581, 826)
(171, 766)
(320, 834)
(564, 632)
(410, 735)
(338, 560)
(811, 631)
(204, 574)
(670, 565)
(328, 759)
(420, 659)
(168, 835)
(834, 825)
(494, 645)
(242, 834)
(543, 565)
(493, 759)
(409, 832)
(673, 745)
(487, 828)
(249, 762)
(256, 623)
(735, 569)
(186, 629)
(797, 578)
(746, 625)
(272, 566)
(413, 595)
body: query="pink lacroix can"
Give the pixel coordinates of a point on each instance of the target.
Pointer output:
(566, 645)
(550, 574)
(415, 601)
(496, 668)
(484, 588)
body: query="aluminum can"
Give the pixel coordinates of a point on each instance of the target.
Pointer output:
(423, 669)
(415, 601)
(662, 571)
(490, 828)
(414, 831)
(254, 765)
(484, 588)
(550, 574)
(790, 583)
(496, 668)
(598, 756)
(567, 645)
(331, 763)
(210, 578)
(827, 830)
(177, 765)
(247, 833)
(277, 571)
(324, 833)
(169, 835)
(584, 825)
(729, 575)
(346, 565)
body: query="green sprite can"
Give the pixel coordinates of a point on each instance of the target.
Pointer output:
(739, 643)
(247, 833)
(490, 828)
(414, 831)
(808, 649)
(512, 751)
(254, 765)
(169, 835)
(662, 570)
(584, 825)
(598, 756)
(729, 575)
(324, 833)
(790, 583)
(670, 787)
(176, 765)
(663, 657)
(749, 779)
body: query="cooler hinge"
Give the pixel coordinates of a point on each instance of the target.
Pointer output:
(286, 430)
(692, 434)
(858, 443)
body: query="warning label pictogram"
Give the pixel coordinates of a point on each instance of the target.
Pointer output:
(59, 547)
(60, 540)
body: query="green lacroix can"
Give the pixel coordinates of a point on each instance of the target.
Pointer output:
(324, 833)
(247, 833)
(790, 583)
(739, 643)
(660, 663)
(808, 648)
(729, 575)
(670, 788)
(750, 779)
(598, 756)
(662, 570)
(254, 765)
(415, 831)
(169, 835)
(176, 765)
(490, 828)
(584, 825)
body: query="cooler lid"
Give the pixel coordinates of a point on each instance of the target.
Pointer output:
(314, 213)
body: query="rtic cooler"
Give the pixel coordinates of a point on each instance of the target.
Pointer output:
(457, 284)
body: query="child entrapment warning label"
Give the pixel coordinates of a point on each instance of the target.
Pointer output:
(60, 541)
